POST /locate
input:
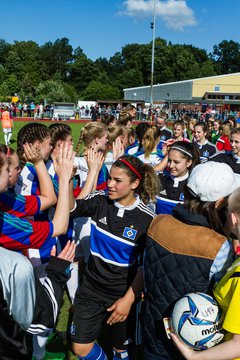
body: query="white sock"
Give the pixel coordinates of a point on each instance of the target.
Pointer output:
(72, 283)
(6, 139)
(9, 137)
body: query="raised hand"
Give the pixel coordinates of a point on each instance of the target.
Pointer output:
(32, 154)
(118, 149)
(94, 160)
(63, 163)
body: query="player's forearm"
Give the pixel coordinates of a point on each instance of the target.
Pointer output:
(89, 185)
(47, 193)
(161, 166)
(226, 351)
(136, 286)
(61, 216)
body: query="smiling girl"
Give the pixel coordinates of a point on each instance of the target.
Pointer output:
(182, 157)
(205, 147)
(112, 280)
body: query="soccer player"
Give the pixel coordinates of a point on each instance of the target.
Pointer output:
(113, 279)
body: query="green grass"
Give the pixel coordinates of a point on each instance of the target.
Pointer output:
(76, 129)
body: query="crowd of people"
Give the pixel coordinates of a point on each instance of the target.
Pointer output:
(128, 223)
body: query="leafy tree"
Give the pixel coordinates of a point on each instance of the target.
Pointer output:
(52, 91)
(129, 78)
(56, 57)
(82, 71)
(2, 73)
(96, 90)
(10, 86)
(226, 56)
(14, 64)
(4, 49)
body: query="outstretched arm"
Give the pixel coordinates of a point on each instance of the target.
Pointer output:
(95, 162)
(225, 351)
(63, 165)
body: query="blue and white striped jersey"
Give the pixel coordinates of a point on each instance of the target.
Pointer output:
(118, 236)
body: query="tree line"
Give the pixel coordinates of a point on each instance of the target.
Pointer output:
(57, 72)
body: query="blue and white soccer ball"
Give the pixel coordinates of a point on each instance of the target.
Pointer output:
(197, 321)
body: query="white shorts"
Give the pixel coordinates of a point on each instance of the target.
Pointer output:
(7, 130)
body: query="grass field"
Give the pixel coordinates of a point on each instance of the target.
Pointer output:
(76, 128)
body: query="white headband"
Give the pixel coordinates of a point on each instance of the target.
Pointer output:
(182, 150)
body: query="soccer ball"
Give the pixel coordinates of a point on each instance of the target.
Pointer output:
(197, 321)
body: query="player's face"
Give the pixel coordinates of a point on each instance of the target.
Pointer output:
(177, 163)
(101, 143)
(160, 122)
(216, 126)
(69, 140)
(132, 112)
(178, 131)
(120, 188)
(129, 124)
(4, 174)
(124, 140)
(235, 143)
(46, 148)
(14, 170)
(199, 134)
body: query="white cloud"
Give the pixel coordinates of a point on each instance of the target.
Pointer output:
(175, 14)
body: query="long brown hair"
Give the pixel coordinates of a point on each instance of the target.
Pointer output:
(88, 133)
(148, 186)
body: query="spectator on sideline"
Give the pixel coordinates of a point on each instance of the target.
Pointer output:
(186, 252)
(226, 292)
(7, 125)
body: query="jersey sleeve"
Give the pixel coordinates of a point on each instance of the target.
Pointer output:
(19, 234)
(232, 318)
(19, 205)
(49, 294)
(220, 145)
(87, 207)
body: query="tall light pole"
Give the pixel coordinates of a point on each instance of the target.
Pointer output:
(153, 50)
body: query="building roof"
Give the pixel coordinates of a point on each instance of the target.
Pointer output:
(182, 81)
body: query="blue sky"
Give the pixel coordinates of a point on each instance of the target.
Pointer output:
(103, 27)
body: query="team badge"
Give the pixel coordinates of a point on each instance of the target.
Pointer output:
(206, 154)
(129, 233)
(181, 197)
(163, 137)
(72, 329)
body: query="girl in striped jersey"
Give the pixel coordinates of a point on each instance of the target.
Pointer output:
(150, 154)
(23, 206)
(20, 234)
(113, 278)
(93, 136)
(205, 147)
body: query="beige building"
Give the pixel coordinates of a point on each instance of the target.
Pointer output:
(220, 90)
